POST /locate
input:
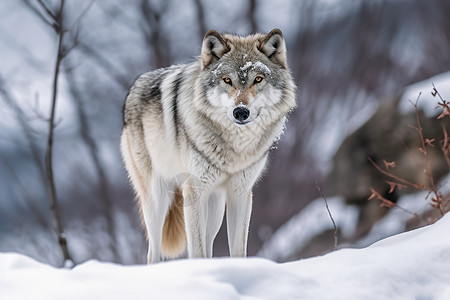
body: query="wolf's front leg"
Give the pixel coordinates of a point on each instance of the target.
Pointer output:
(239, 208)
(195, 214)
(216, 210)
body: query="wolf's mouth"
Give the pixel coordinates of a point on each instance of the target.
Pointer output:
(241, 123)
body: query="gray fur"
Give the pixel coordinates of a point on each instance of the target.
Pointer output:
(178, 120)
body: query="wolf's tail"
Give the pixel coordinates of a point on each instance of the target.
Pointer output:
(174, 233)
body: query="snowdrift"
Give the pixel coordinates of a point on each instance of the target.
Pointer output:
(412, 265)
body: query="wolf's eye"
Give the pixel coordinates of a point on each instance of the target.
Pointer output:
(258, 79)
(227, 80)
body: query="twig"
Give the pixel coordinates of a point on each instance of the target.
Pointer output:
(446, 146)
(389, 204)
(49, 151)
(48, 11)
(424, 145)
(443, 103)
(82, 14)
(39, 14)
(399, 179)
(409, 152)
(331, 216)
(437, 199)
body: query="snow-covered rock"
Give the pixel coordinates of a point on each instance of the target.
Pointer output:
(413, 265)
(290, 240)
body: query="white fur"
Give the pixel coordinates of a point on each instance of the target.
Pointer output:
(188, 130)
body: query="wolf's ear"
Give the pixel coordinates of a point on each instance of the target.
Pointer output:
(274, 47)
(213, 47)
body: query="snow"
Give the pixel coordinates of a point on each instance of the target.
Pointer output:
(427, 102)
(412, 265)
(247, 65)
(260, 66)
(216, 72)
(309, 222)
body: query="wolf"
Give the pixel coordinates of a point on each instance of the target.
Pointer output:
(196, 138)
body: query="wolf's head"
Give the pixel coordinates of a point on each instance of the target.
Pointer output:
(247, 77)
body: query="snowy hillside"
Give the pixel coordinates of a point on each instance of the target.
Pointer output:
(413, 265)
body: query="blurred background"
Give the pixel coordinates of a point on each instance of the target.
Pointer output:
(356, 64)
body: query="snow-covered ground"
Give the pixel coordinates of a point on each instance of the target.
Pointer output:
(412, 265)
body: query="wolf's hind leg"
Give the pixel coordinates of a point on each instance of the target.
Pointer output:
(154, 210)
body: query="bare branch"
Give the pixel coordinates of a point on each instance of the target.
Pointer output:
(445, 104)
(331, 216)
(399, 179)
(446, 146)
(251, 15)
(82, 14)
(48, 11)
(437, 199)
(27, 129)
(389, 204)
(101, 61)
(201, 18)
(104, 196)
(38, 13)
(153, 33)
(49, 151)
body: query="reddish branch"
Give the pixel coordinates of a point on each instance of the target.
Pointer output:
(400, 180)
(437, 199)
(445, 104)
(446, 146)
(388, 203)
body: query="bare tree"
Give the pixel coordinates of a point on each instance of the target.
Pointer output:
(153, 31)
(251, 15)
(55, 20)
(99, 59)
(58, 18)
(34, 149)
(104, 194)
(201, 18)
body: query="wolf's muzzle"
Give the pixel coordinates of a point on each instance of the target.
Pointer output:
(241, 115)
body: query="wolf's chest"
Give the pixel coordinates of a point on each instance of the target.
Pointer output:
(231, 151)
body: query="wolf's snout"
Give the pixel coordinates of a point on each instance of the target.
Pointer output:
(241, 114)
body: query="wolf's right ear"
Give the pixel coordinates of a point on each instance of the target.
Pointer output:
(213, 47)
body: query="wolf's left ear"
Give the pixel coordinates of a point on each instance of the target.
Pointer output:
(213, 47)
(274, 47)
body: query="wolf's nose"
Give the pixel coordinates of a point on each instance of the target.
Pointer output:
(241, 113)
